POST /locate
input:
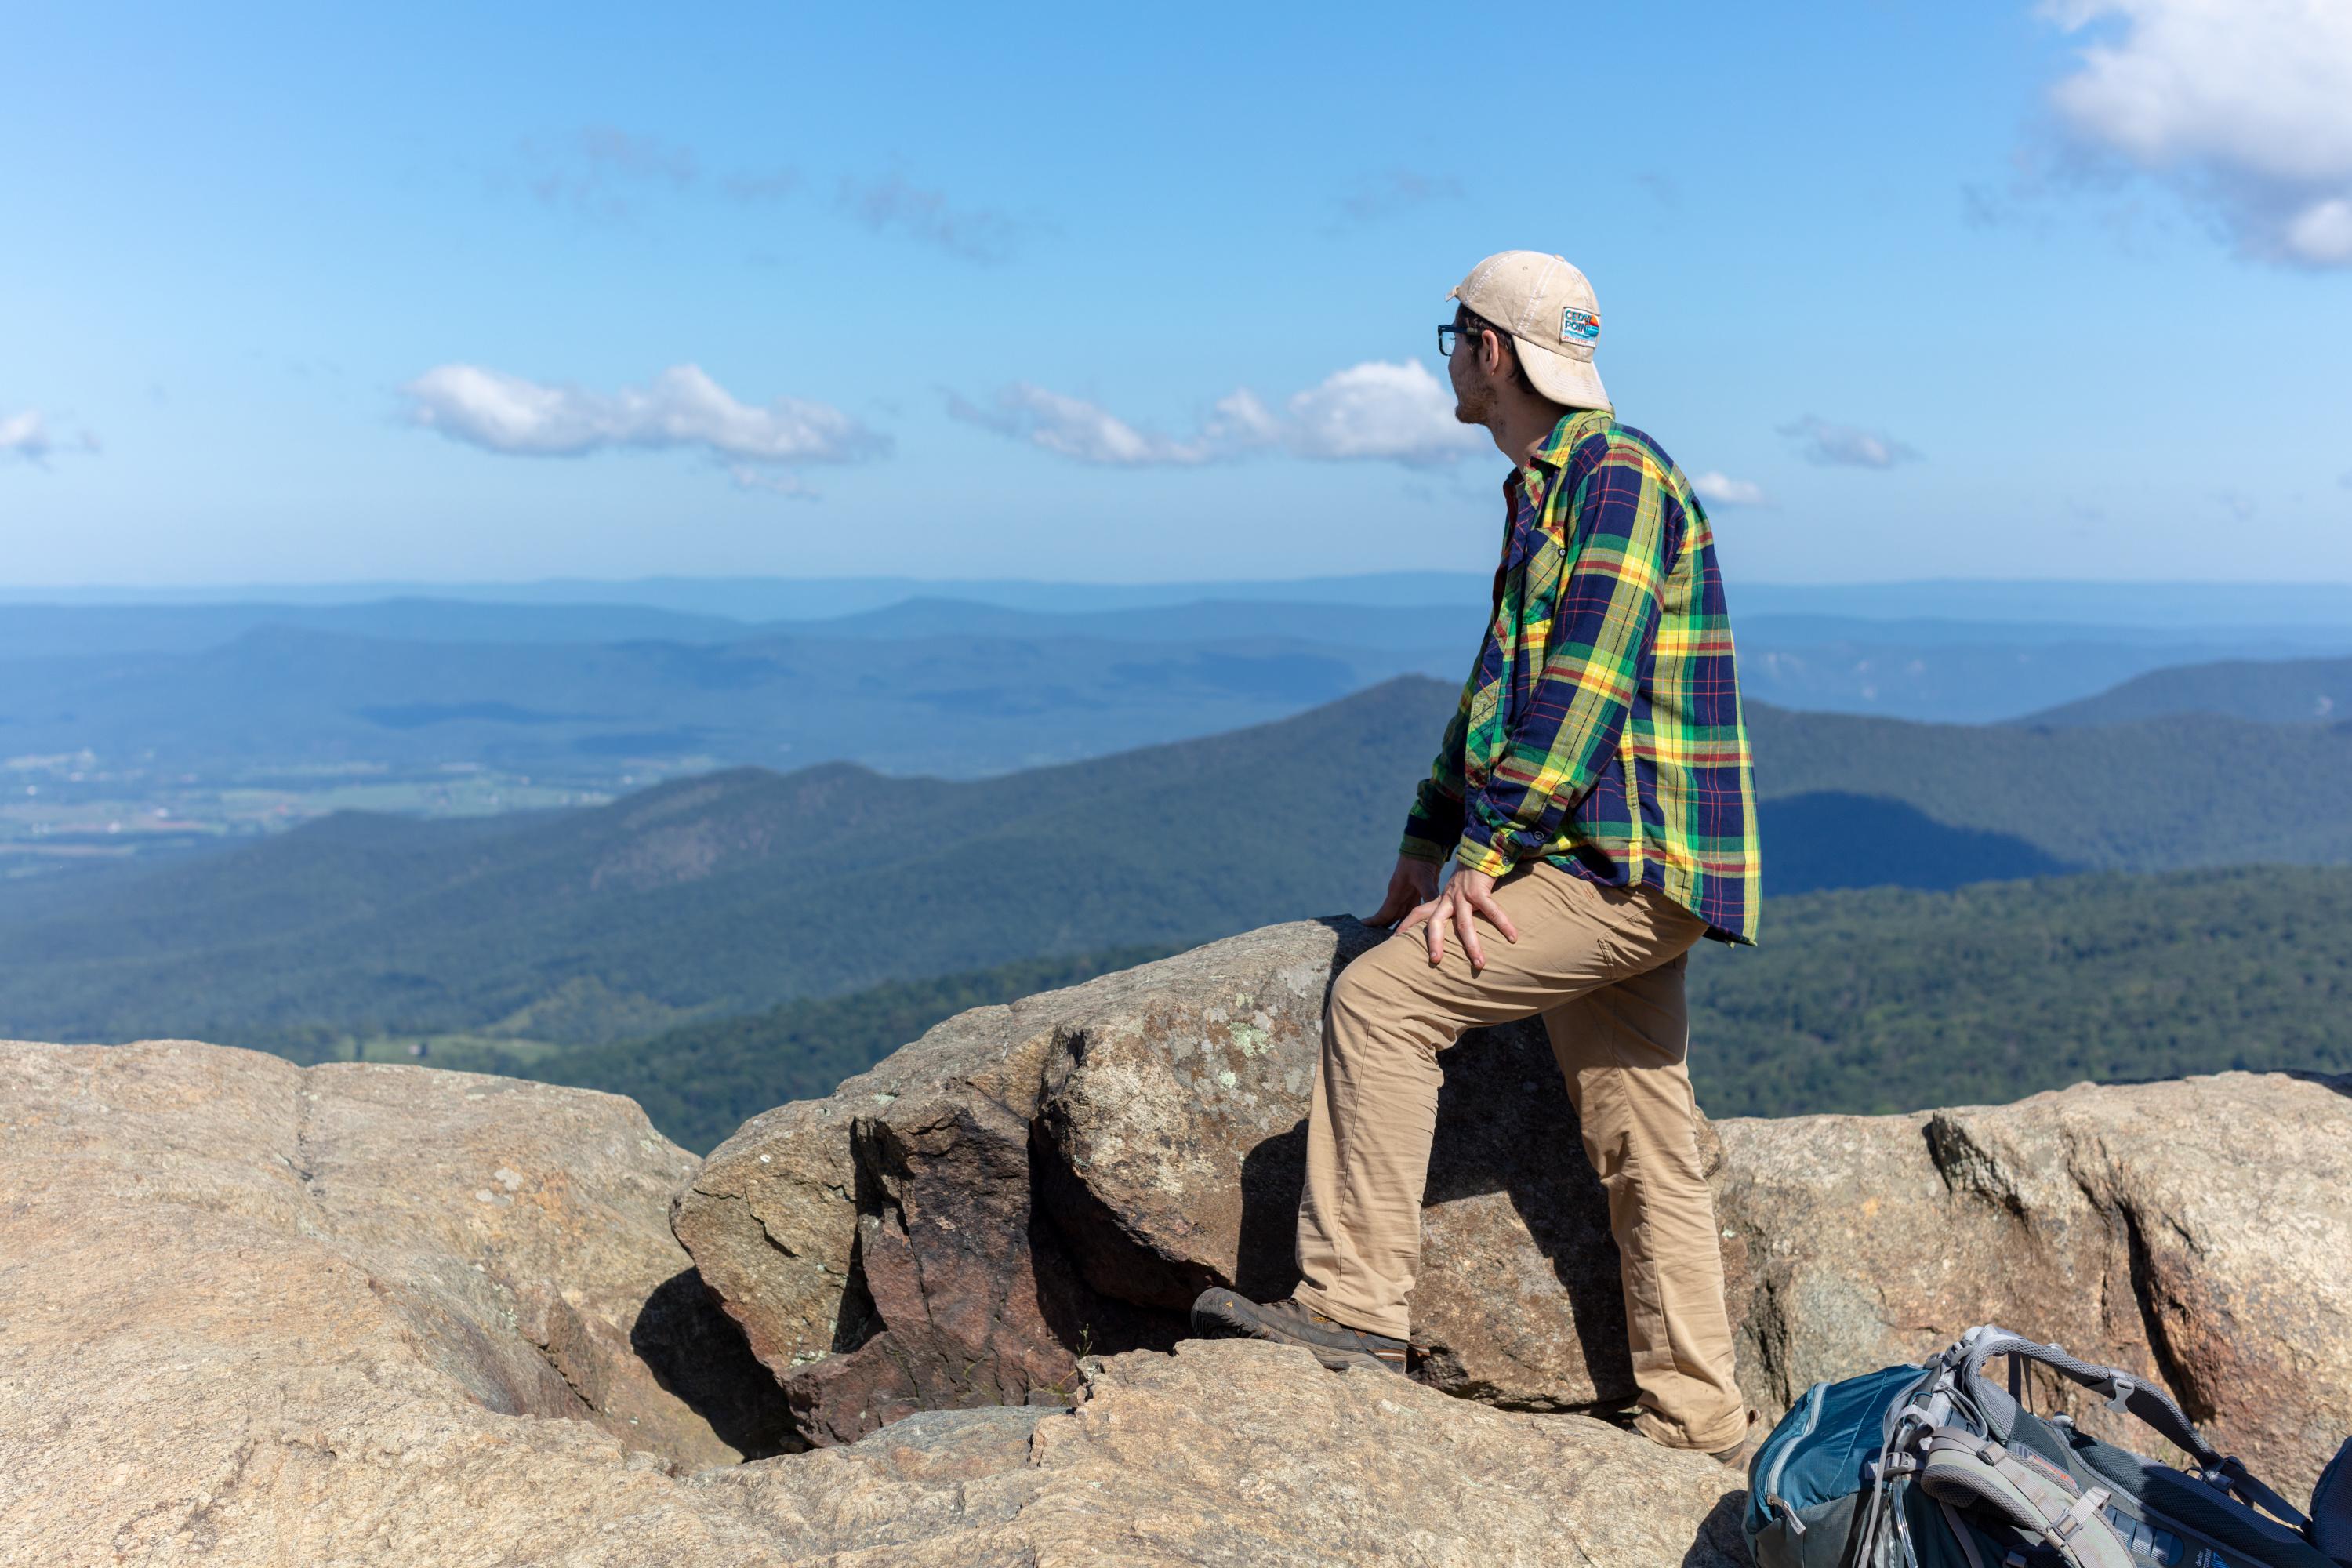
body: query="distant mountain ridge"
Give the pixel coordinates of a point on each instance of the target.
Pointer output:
(2278, 692)
(739, 889)
(286, 697)
(2184, 604)
(601, 699)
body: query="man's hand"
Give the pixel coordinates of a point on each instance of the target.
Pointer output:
(1413, 883)
(1468, 897)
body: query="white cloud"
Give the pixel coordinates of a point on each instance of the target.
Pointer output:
(1073, 427)
(783, 482)
(1397, 413)
(25, 436)
(1375, 411)
(2245, 105)
(1725, 491)
(1844, 446)
(682, 408)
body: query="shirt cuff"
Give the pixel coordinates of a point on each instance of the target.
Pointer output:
(1428, 849)
(1476, 857)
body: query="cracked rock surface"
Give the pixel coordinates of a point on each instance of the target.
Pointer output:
(255, 1314)
(2199, 1231)
(252, 1313)
(1026, 1183)
(205, 1252)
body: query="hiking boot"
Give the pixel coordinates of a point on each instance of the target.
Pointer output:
(1732, 1458)
(1227, 1314)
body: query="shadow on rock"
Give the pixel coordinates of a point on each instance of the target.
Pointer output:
(699, 1353)
(1720, 1537)
(1508, 1135)
(1274, 1174)
(1028, 1185)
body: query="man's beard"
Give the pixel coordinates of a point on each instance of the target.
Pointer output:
(1474, 407)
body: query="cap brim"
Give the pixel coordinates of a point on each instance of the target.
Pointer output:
(1571, 381)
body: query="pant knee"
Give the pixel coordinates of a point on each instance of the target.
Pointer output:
(1363, 1016)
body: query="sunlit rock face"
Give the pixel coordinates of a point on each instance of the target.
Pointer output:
(391, 1316)
(1028, 1183)
(2197, 1231)
(1031, 1182)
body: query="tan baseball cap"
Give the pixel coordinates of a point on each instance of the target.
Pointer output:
(1548, 309)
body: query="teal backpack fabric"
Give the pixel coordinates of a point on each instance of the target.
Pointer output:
(1802, 1478)
(1935, 1467)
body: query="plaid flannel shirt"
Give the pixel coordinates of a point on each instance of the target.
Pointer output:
(1601, 729)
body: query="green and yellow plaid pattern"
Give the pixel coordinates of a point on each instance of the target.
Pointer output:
(1601, 729)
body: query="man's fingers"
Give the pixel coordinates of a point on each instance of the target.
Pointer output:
(1493, 912)
(1465, 919)
(1438, 916)
(1419, 913)
(1387, 912)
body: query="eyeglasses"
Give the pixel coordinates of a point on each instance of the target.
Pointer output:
(1450, 332)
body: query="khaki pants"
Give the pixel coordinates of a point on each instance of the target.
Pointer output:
(1603, 966)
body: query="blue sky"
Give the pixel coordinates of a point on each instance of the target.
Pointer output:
(451, 293)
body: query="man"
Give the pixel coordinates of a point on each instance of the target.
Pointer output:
(1594, 791)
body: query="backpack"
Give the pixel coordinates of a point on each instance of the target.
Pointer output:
(1935, 1467)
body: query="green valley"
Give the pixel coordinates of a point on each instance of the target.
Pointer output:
(1865, 1002)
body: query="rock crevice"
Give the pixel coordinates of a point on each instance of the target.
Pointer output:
(1067, 1173)
(1124, 1142)
(2177, 1229)
(386, 1315)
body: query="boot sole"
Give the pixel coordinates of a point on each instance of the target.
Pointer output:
(1223, 1314)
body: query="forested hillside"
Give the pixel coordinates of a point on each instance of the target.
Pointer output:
(1864, 1002)
(1885, 999)
(733, 892)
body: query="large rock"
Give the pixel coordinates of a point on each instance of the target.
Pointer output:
(2199, 1231)
(1247, 1453)
(256, 1315)
(1026, 1183)
(506, 1236)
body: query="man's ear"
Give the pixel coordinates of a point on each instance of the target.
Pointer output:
(1490, 354)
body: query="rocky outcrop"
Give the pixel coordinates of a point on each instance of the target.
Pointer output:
(2197, 1231)
(251, 1315)
(186, 1214)
(350, 1314)
(1026, 1183)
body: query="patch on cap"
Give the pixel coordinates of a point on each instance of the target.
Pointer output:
(1578, 326)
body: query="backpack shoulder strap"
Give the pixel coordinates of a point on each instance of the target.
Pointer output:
(1964, 1470)
(2124, 1391)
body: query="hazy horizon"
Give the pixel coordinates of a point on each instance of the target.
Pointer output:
(2185, 603)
